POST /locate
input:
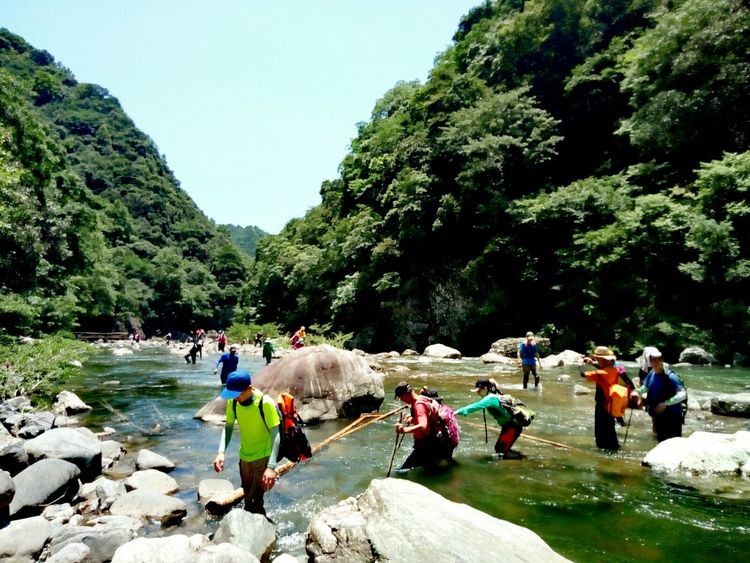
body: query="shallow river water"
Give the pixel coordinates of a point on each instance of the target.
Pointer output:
(587, 504)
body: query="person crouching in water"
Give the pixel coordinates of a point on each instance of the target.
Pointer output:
(428, 450)
(606, 377)
(489, 395)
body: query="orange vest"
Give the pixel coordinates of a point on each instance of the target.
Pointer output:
(615, 395)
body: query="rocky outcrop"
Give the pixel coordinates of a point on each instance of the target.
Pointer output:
(736, 404)
(509, 346)
(441, 351)
(703, 453)
(153, 506)
(326, 382)
(214, 411)
(381, 525)
(69, 403)
(696, 355)
(180, 548)
(78, 446)
(251, 532)
(23, 540)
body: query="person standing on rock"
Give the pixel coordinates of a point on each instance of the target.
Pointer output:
(298, 338)
(229, 361)
(258, 420)
(528, 356)
(490, 395)
(428, 450)
(664, 394)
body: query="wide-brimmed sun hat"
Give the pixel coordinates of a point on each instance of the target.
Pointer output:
(603, 352)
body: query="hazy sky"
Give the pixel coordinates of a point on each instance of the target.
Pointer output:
(253, 103)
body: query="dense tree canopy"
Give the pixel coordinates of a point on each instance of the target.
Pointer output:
(574, 167)
(94, 226)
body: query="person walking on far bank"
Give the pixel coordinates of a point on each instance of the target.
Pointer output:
(268, 350)
(528, 356)
(228, 361)
(258, 420)
(664, 395)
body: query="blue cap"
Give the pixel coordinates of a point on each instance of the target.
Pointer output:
(237, 382)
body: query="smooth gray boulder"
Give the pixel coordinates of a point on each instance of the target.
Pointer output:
(441, 351)
(7, 492)
(23, 540)
(46, 481)
(398, 520)
(252, 532)
(33, 424)
(703, 453)
(214, 411)
(326, 382)
(733, 404)
(112, 451)
(69, 403)
(100, 494)
(152, 506)
(180, 548)
(493, 358)
(150, 460)
(101, 539)
(78, 447)
(509, 346)
(696, 355)
(152, 480)
(72, 553)
(209, 488)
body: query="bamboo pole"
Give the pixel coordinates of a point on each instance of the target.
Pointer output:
(220, 504)
(532, 438)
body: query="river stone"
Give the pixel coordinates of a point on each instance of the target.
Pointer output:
(509, 346)
(101, 539)
(579, 389)
(23, 540)
(13, 458)
(409, 352)
(441, 351)
(72, 553)
(34, 424)
(152, 480)
(696, 355)
(180, 548)
(149, 460)
(552, 361)
(153, 506)
(79, 447)
(252, 532)
(703, 453)
(493, 358)
(398, 520)
(46, 481)
(213, 411)
(736, 404)
(69, 403)
(112, 450)
(209, 488)
(326, 382)
(102, 493)
(7, 491)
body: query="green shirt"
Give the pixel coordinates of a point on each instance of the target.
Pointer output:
(492, 403)
(255, 437)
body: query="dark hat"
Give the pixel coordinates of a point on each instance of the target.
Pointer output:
(482, 384)
(401, 389)
(237, 382)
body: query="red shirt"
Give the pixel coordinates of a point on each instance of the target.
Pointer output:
(420, 413)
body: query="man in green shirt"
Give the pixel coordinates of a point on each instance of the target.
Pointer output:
(259, 438)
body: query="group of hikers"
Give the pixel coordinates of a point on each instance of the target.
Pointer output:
(432, 424)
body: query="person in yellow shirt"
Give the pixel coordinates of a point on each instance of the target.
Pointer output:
(258, 420)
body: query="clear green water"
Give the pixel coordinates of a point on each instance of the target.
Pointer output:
(588, 505)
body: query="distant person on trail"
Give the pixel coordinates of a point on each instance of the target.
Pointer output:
(258, 339)
(665, 396)
(510, 430)
(428, 451)
(221, 341)
(298, 339)
(228, 361)
(528, 356)
(268, 350)
(611, 398)
(259, 438)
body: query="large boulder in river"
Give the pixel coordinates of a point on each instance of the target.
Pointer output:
(732, 404)
(180, 548)
(78, 446)
(442, 351)
(213, 411)
(398, 520)
(326, 382)
(40, 484)
(509, 346)
(703, 453)
(696, 355)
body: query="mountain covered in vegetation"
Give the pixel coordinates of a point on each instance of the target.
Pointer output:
(94, 226)
(571, 167)
(246, 237)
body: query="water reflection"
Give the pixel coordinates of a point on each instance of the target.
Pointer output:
(587, 504)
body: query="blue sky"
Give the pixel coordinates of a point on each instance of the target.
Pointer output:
(252, 103)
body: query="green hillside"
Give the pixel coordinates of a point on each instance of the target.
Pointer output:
(574, 167)
(93, 223)
(245, 237)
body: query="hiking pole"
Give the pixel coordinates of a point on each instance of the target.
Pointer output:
(484, 415)
(396, 444)
(628, 427)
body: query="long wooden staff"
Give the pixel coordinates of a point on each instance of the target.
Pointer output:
(484, 416)
(533, 438)
(221, 503)
(396, 444)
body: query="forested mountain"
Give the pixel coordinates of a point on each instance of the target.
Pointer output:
(573, 167)
(93, 224)
(245, 237)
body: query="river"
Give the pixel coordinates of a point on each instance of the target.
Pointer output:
(587, 505)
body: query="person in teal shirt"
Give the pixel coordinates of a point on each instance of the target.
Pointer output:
(490, 400)
(259, 438)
